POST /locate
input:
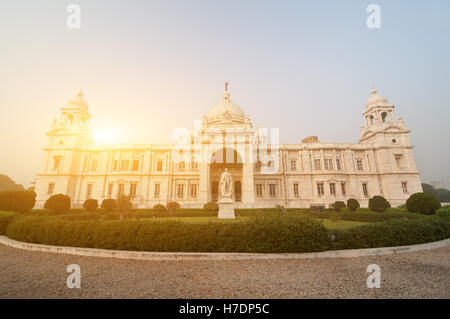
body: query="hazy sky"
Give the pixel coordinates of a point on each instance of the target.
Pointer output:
(147, 67)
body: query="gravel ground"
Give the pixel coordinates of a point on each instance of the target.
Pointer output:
(26, 274)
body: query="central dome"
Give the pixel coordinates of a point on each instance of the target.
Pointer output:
(78, 102)
(376, 100)
(226, 106)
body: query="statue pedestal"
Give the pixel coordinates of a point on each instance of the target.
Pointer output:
(226, 208)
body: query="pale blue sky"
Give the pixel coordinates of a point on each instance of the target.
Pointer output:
(147, 67)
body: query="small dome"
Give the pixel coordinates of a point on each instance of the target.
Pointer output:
(377, 100)
(77, 101)
(226, 106)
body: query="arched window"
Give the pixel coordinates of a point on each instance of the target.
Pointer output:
(70, 119)
(383, 116)
(371, 119)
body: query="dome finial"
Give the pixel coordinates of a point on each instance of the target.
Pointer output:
(80, 93)
(373, 91)
(226, 85)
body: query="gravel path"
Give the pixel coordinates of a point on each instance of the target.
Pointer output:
(26, 274)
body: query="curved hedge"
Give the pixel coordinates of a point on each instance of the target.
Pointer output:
(395, 232)
(287, 233)
(5, 219)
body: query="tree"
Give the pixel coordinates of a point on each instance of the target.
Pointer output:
(58, 203)
(17, 201)
(441, 194)
(423, 203)
(352, 204)
(90, 204)
(338, 205)
(379, 204)
(7, 184)
(109, 204)
(124, 205)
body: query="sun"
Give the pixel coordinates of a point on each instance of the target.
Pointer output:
(104, 136)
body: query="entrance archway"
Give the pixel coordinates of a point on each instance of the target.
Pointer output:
(226, 158)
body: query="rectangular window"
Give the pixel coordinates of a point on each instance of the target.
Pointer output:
(89, 190)
(56, 162)
(317, 164)
(333, 189)
(156, 192)
(293, 165)
(398, 160)
(159, 166)
(343, 189)
(50, 188)
(272, 190)
(124, 164)
(194, 165)
(359, 165)
(259, 190)
(94, 165)
(181, 166)
(120, 190)
(338, 164)
(193, 190)
(135, 165)
(133, 189)
(115, 163)
(320, 190)
(110, 189)
(295, 190)
(328, 163)
(405, 187)
(180, 190)
(365, 190)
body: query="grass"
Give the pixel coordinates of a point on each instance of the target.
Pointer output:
(340, 224)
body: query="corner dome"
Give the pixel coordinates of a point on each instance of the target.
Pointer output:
(226, 106)
(377, 100)
(77, 102)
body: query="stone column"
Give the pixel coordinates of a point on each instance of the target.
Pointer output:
(203, 187)
(248, 188)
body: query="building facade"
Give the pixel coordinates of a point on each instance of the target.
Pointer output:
(265, 172)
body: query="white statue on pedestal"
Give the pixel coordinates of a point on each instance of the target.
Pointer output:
(226, 203)
(226, 184)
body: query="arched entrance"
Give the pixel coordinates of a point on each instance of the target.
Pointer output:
(226, 158)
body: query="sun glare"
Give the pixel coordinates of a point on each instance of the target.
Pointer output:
(104, 136)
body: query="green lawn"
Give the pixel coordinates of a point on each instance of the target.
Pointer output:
(340, 224)
(328, 223)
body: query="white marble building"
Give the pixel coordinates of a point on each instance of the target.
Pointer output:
(311, 173)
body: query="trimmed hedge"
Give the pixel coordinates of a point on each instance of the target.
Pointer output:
(352, 204)
(5, 219)
(90, 204)
(58, 203)
(379, 204)
(443, 212)
(17, 201)
(286, 233)
(423, 203)
(395, 232)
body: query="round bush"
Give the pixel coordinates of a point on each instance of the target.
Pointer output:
(352, 204)
(172, 206)
(17, 201)
(58, 203)
(379, 204)
(443, 212)
(338, 205)
(90, 204)
(211, 207)
(124, 204)
(159, 207)
(109, 204)
(423, 203)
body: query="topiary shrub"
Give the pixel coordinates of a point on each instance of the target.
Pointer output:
(17, 201)
(338, 205)
(124, 205)
(58, 203)
(90, 204)
(109, 205)
(172, 206)
(443, 212)
(379, 204)
(422, 203)
(352, 204)
(211, 207)
(159, 207)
